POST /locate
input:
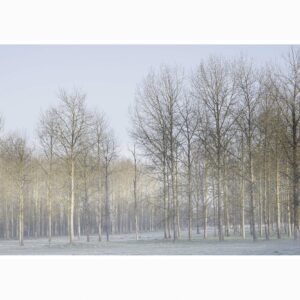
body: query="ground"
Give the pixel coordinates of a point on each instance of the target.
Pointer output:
(151, 243)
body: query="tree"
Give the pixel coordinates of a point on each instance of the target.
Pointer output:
(189, 122)
(47, 136)
(72, 124)
(109, 154)
(214, 86)
(100, 128)
(249, 96)
(149, 133)
(156, 131)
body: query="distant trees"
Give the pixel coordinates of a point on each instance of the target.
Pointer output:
(18, 156)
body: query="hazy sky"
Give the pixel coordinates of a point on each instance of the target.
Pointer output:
(31, 75)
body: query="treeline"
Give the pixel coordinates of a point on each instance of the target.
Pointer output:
(217, 148)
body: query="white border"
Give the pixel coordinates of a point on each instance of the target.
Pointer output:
(158, 277)
(149, 22)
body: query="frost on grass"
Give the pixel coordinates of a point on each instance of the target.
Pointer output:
(151, 244)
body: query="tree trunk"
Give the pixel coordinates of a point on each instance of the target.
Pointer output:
(205, 202)
(265, 198)
(214, 204)
(49, 198)
(36, 209)
(135, 200)
(295, 192)
(72, 200)
(260, 224)
(226, 213)
(107, 208)
(78, 223)
(242, 212)
(277, 183)
(252, 204)
(21, 216)
(6, 220)
(177, 199)
(198, 216)
(219, 201)
(242, 202)
(165, 212)
(190, 217)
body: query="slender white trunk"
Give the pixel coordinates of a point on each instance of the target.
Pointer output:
(107, 207)
(21, 216)
(49, 201)
(72, 200)
(135, 199)
(278, 213)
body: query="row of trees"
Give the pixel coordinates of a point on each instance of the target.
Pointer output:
(72, 183)
(215, 150)
(224, 144)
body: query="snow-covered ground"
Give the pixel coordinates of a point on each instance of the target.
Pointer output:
(151, 244)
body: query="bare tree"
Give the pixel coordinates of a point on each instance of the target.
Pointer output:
(156, 131)
(47, 137)
(109, 154)
(149, 133)
(215, 88)
(249, 96)
(100, 128)
(72, 124)
(190, 122)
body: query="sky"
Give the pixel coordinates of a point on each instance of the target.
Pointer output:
(31, 75)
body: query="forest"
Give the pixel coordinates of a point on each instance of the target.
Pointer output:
(214, 153)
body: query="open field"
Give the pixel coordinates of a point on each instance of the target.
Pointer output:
(151, 244)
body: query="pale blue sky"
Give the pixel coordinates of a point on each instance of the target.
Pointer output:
(31, 75)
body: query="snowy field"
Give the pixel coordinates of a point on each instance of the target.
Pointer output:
(151, 244)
